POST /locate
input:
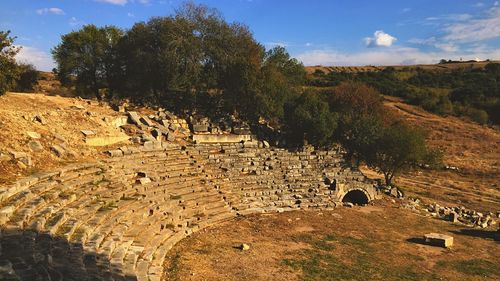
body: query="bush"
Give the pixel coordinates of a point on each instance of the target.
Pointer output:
(477, 115)
(28, 77)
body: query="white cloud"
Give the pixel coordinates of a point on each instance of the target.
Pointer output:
(428, 41)
(474, 30)
(113, 2)
(54, 11)
(275, 44)
(74, 21)
(389, 56)
(40, 59)
(447, 47)
(380, 39)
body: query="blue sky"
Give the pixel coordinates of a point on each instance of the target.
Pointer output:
(327, 32)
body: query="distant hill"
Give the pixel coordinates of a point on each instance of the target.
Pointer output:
(371, 68)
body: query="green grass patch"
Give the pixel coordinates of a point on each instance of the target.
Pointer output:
(321, 262)
(476, 267)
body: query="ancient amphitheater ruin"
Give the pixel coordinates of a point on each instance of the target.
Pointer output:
(117, 218)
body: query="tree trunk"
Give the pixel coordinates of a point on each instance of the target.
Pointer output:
(388, 178)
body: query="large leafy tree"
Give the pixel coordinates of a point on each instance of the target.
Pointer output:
(282, 78)
(399, 148)
(231, 58)
(309, 118)
(9, 71)
(87, 59)
(161, 57)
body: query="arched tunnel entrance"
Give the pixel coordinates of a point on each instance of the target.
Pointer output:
(357, 197)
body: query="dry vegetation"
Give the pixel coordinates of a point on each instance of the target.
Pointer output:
(64, 117)
(370, 68)
(472, 148)
(380, 242)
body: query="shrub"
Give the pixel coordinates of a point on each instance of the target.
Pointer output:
(477, 115)
(28, 77)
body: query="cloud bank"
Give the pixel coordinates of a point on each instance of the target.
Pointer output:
(40, 59)
(388, 56)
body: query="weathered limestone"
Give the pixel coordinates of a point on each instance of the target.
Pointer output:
(105, 141)
(204, 138)
(440, 240)
(120, 217)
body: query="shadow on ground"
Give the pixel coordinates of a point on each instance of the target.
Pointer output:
(32, 256)
(479, 233)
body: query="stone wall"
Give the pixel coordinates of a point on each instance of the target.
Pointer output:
(118, 218)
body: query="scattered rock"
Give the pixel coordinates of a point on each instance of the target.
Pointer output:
(88, 133)
(35, 146)
(440, 240)
(33, 135)
(395, 192)
(244, 247)
(265, 144)
(78, 106)
(22, 157)
(59, 137)
(4, 157)
(143, 180)
(115, 153)
(41, 119)
(348, 204)
(170, 136)
(145, 120)
(134, 118)
(58, 150)
(119, 121)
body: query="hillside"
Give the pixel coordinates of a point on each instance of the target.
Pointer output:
(470, 150)
(371, 68)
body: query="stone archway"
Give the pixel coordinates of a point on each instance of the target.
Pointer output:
(356, 196)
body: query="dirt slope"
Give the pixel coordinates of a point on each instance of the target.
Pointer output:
(62, 120)
(472, 148)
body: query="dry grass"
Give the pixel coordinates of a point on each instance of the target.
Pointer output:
(472, 148)
(64, 120)
(371, 243)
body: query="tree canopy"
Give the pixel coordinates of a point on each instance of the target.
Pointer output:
(9, 72)
(87, 59)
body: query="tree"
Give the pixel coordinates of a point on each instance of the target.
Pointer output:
(8, 68)
(399, 148)
(28, 77)
(87, 57)
(309, 118)
(161, 58)
(282, 77)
